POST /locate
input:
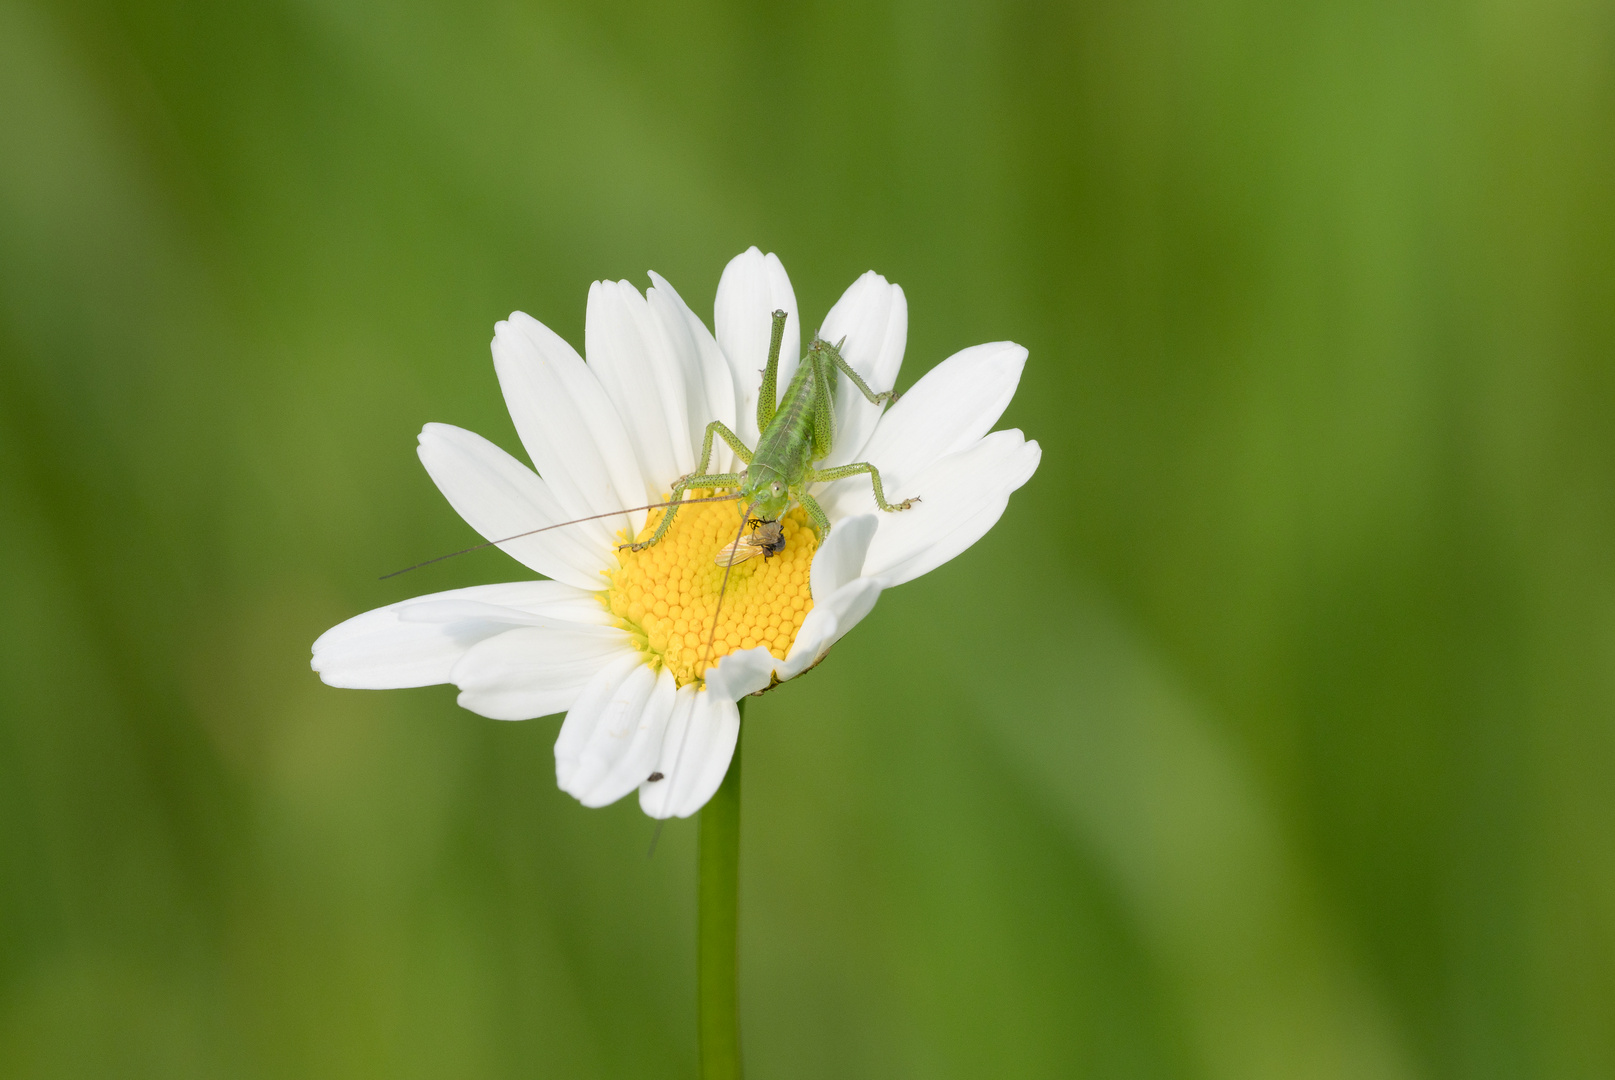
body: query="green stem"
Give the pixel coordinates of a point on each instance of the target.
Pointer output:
(717, 958)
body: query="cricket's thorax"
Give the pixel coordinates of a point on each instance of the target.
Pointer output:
(665, 595)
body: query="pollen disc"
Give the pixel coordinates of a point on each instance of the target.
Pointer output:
(665, 596)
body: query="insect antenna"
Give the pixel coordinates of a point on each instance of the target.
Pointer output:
(706, 657)
(557, 525)
(728, 568)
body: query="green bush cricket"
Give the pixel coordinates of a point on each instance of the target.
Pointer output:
(795, 433)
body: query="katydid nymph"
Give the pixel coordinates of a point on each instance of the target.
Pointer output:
(795, 433)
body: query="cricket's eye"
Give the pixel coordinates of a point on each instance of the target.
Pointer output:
(776, 488)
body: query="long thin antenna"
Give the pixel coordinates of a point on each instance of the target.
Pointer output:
(728, 568)
(547, 528)
(684, 736)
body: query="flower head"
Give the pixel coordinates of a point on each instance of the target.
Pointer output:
(634, 646)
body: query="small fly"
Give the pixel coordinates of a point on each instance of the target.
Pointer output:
(767, 539)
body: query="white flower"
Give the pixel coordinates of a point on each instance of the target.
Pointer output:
(615, 640)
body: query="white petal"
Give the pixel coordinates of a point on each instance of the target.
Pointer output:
(404, 645)
(840, 559)
(584, 715)
(873, 317)
(440, 609)
(741, 673)
(645, 735)
(630, 354)
(534, 670)
(696, 750)
(499, 496)
(752, 288)
(828, 623)
(963, 496)
(948, 410)
(711, 383)
(612, 736)
(569, 426)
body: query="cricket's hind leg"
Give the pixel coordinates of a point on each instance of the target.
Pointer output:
(841, 472)
(685, 483)
(767, 401)
(864, 388)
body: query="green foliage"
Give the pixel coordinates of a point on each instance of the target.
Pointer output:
(1272, 733)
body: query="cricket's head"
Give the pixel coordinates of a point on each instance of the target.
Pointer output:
(825, 348)
(766, 492)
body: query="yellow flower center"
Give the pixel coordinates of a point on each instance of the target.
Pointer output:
(667, 595)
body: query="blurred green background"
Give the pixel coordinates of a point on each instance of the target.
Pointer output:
(1271, 733)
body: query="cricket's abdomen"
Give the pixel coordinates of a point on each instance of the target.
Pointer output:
(786, 447)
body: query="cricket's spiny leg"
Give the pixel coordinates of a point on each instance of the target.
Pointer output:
(717, 428)
(815, 512)
(841, 472)
(824, 429)
(714, 480)
(863, 387)
(766, 399)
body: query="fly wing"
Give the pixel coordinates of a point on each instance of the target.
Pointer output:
(738, 552)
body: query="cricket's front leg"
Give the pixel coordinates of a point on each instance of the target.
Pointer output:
(857, 380)
(841, 472)
(685, 483)
(717, 428)
(815, 513)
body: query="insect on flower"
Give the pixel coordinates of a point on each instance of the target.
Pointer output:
(657, 618)
(766, 539)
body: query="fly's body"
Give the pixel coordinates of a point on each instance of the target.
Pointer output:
(766, 539)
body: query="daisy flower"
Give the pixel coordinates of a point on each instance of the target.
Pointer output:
(616, 639)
